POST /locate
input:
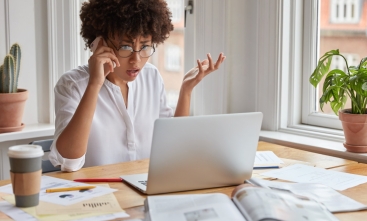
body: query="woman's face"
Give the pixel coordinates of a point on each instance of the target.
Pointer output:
(130, 62)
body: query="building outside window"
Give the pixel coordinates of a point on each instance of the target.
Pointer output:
(343, 26)
(172, 58)
(169, 57)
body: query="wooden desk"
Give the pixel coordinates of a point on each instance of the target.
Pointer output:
(132, 200)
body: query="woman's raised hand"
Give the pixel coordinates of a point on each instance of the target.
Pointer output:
(195, 75)
(101, 63)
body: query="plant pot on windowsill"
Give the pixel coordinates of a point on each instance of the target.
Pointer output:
(11, 110)
(355, 130)
(12, 99)
(339, 85)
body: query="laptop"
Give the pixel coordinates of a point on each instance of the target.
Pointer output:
(199, 152)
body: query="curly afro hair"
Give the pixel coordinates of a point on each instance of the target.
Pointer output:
(131, 18)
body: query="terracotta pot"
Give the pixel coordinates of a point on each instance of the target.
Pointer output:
(355, 131)
(11, 110)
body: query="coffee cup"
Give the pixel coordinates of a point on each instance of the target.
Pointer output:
(25, 173)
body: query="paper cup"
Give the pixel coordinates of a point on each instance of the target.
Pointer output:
(26, 172)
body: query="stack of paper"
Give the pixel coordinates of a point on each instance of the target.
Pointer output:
(95, 204)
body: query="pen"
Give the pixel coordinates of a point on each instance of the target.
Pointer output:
(69, 189)
(99, 180)
(265, 167)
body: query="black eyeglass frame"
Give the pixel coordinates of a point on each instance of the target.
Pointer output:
(132, 50)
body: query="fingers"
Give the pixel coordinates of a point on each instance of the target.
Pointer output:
(211, 66)
(219, 61)
(200, 66)
(110, 56)
(104, 51)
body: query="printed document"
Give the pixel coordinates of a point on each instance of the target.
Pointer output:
(306, 174)
(64, 198)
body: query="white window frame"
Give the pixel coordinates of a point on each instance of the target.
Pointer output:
(298, 101)
(66, 47)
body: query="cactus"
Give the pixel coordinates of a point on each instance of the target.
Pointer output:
(9, 71)
(17, 54)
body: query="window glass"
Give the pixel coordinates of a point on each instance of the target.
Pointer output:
(169, 57)
(343, 26)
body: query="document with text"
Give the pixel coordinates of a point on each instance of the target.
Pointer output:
(307, 174)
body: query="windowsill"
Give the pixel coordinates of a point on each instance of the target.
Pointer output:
(29, 131)
(317, 145)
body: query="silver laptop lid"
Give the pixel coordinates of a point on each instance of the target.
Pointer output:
(202, 151)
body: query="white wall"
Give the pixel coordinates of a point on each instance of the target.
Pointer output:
(252, 58)
(241, 57)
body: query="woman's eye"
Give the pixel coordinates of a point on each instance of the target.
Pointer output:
(125, 47)
(145, 47)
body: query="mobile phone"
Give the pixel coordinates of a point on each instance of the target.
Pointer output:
(94, 44)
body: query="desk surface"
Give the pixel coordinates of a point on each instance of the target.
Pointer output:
(132, 200)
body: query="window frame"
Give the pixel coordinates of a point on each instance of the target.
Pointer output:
(298, 111)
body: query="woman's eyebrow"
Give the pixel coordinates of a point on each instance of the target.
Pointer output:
(131, 42)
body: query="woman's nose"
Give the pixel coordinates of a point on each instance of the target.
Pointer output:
(135, 57)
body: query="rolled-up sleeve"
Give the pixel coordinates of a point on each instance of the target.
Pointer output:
(67, 98)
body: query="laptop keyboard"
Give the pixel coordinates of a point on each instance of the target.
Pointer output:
(144, 182)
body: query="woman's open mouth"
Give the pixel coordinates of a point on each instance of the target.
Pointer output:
(132, 72)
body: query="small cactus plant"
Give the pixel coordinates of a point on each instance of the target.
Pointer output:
(9, 71)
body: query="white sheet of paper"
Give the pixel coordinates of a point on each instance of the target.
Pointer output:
(306, 174)
(14, 212)
(64, 198)
(319, 192)
(267, 157)
(111, 216)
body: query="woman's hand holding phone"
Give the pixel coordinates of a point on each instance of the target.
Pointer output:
(102, 62)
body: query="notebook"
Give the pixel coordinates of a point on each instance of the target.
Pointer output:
(199, 152)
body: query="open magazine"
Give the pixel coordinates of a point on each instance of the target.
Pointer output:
(247, 203)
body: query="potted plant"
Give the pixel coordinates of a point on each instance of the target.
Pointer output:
(12, 98)
(337, 87)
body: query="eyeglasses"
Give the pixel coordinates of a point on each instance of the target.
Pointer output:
(126, 51)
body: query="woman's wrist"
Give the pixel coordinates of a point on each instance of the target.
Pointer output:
(185, 91)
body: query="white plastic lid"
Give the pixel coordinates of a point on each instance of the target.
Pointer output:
(25, 151)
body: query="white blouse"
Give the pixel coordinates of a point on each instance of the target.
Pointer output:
(117, 134)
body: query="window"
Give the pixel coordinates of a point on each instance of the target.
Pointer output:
(349, 38)
(172, 59)
(168, 57)
(176, 7)
(344, 11)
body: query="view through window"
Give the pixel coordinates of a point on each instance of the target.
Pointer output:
(169, 56)
(343, 26)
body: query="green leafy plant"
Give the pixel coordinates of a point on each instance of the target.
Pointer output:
(340, 85)
(9, 71)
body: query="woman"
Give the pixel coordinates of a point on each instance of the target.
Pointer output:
(105, 111)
